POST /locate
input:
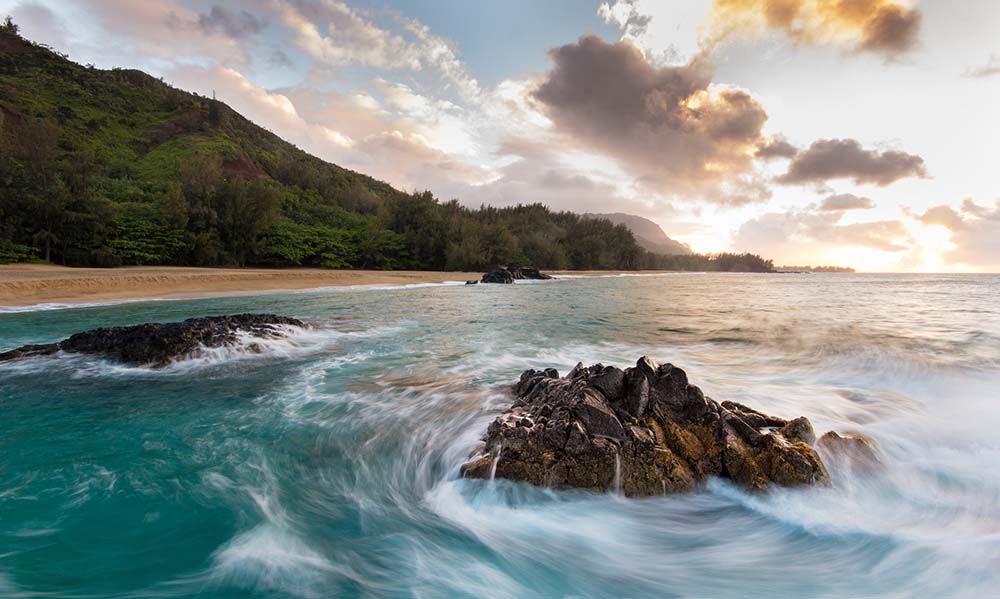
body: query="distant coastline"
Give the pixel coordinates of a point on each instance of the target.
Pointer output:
(814, 269)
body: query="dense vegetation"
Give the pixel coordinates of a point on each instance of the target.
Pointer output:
(105, 168)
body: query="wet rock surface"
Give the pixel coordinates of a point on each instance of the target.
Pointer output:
(159, 344)
(850, 452)
(640, 431)
(514, 273)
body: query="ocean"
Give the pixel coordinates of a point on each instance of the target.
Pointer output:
(327, 465)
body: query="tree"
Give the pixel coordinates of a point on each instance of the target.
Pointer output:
(173, 207)
(10, 27)
(198, 178)
(246, 211)
(49, 214)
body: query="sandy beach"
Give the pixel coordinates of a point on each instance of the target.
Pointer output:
(29, 284)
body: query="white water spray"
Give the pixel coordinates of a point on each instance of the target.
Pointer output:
(496, 460)
(618, 471)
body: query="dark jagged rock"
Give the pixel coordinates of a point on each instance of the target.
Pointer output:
(523, 272)
(514, 273)
(472, 282)
(498, 275)
(643, 431)
(157, 344)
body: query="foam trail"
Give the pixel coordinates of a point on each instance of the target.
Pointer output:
(617, 483)
(494, 462)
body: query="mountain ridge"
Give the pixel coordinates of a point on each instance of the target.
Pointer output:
(647, 233)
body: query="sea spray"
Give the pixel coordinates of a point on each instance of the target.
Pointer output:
(617, 483)
(496, 460)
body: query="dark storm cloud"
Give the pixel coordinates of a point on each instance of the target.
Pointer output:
(845, 159)
(670, 126)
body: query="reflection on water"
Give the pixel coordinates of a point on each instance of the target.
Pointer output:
(327, 466)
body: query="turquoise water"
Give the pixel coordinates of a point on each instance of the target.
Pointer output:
(327, 466)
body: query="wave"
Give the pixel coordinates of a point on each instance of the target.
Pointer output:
(272, 557)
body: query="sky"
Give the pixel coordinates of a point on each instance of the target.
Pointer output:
(860, 133)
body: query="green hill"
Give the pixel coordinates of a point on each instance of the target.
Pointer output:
(112, 167)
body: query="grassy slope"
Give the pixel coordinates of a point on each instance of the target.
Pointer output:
(139, 127)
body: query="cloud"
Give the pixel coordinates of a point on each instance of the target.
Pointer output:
(846, 201)
(238, 25)
(625, 14)
(539, 173)
(990, 69)
(409, 162)
(164, 30)
(845, 159)
(800, 236)
(277, 110)
(675, 130)
(38, 22)
(776, 147)
(336, 34)
(975, 232)
(886, 27)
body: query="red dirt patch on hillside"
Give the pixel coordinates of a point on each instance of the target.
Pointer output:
(243, 168)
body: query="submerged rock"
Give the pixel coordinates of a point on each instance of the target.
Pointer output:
(158, 344)
(514, 273)
(642, 431)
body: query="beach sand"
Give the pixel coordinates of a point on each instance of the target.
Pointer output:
(30, 284)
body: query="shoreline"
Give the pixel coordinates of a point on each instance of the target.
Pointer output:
(24, 286)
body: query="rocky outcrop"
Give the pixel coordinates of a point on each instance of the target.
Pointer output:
(157, 344)
(514, 273)
(640, 431)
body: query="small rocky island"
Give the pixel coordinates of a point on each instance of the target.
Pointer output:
(159, 344)
(511, 274)
(640, 431)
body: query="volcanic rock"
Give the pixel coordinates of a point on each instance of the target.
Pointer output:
(159, 344)
(514, 273)
(642, 431)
